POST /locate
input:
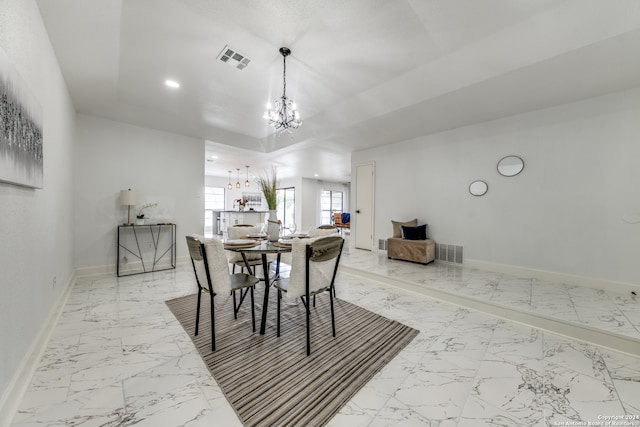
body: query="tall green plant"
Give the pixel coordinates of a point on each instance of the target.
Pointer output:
(269, 185)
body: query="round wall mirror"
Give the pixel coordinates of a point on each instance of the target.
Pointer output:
(478, 188)
(510, 166)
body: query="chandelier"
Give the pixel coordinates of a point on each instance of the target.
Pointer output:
(285, 115)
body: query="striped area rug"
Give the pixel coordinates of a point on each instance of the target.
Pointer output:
(269, 380)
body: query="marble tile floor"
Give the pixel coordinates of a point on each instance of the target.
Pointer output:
(603, 310)
(118, 357)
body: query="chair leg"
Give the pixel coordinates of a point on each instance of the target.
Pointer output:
(213, 325)
(308, 310)
(253, 311)
(333, 319)
(278, 322)
(198, 311)
(235, 307)
(233, 268)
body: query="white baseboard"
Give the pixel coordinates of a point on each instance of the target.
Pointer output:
(22, 378)
(111, 269)
(94, 271)
(552, 276)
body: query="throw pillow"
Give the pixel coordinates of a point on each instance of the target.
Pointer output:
(414, 233)
(397, 231)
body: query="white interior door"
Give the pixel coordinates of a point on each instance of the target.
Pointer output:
(364, 206)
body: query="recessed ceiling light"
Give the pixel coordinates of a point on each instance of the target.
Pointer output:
(172, 83)
(316, 175)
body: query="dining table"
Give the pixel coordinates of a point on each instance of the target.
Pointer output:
(264, 248)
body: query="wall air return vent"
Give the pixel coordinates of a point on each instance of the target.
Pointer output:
(449, 253)
(233, 57)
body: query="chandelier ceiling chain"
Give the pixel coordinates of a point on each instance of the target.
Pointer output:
(285, 115)
(285, 53)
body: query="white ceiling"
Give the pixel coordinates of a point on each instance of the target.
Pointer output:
(364, 73)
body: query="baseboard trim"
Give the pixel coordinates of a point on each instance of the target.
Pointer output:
(111, 269)
(567, 329)
(9, 404)
(97, 270)
(552, 276)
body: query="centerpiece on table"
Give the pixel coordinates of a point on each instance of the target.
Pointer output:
(268, 183)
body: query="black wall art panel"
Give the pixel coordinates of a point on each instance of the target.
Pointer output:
(21, 157)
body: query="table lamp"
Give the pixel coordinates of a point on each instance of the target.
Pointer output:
(128, 198)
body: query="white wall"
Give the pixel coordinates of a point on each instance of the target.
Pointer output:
(162, 167)
(36, 230)
(565, 213)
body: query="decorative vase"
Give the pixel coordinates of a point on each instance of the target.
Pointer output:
(240, 208)
(273, 227)
(140, 221)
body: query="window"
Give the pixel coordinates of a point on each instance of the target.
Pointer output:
(213, 201)
(330, 201)
(214, 198)
(287, 207)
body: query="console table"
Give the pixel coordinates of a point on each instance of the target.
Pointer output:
(151, 247)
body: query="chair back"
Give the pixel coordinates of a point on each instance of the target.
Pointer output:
(314, 261)
(238, 232)
(209, 264)
(323, 230)
(197, 260)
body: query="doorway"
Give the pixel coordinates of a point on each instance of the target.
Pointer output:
(364, 206)
(286, 207)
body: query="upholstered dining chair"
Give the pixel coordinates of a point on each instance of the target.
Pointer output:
(212, 276)
(314, 264)
(239, 231)
(323, 230)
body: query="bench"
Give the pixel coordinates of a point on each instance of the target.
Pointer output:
(421, 251)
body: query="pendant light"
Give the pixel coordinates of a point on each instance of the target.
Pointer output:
(247, 183)
(229, 187)
(284, 116)
(238, 183)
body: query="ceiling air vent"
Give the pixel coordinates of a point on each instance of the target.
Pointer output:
(233, 57)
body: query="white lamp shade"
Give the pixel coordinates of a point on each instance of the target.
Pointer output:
(128, 197)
